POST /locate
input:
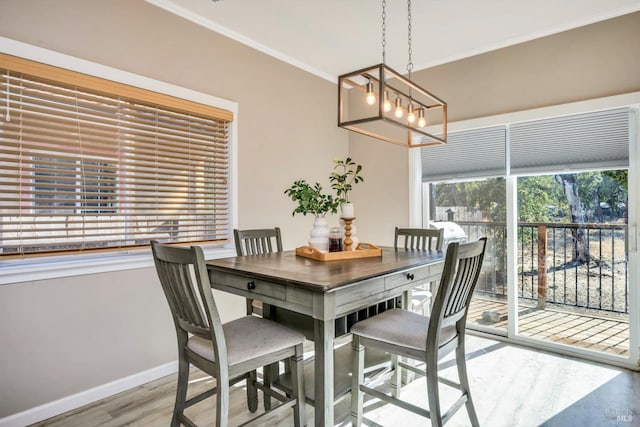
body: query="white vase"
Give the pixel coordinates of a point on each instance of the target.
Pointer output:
(320, 234)
(347, 210)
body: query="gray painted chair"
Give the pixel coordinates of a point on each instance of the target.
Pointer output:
(427, 339)
(256, 242)
(420, 239)
(230, 352)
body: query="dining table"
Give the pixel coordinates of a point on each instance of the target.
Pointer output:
(320, 297)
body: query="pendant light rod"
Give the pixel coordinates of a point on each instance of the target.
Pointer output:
(410, 60)
(409, 56)
(394, 108)
(384, 31)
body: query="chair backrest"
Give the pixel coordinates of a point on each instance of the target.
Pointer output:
(462, 266)
(258, 241)
(192, 305)
(421, 239)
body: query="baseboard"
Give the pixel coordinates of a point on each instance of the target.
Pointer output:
(57, 407)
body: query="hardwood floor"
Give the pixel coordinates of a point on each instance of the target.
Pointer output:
(511, 386)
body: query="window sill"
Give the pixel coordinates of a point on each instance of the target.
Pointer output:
(17, 271)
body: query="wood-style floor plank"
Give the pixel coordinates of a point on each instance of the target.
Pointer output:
(511, 386)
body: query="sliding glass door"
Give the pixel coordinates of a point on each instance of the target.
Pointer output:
(572, 260)
(467, 211)
(557, 197)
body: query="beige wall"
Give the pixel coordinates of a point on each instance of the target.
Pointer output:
(590, 62)
(60, 337)
(63, 336)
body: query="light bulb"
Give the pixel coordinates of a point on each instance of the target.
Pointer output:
(387, 104)
(371, 99)
(411, 117)
(422, 122)
(399, 112)
(371, 96)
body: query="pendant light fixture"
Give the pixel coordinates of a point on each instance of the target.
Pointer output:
(381, 103)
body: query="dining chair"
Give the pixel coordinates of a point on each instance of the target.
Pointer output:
(256, 242)
(421, 239)
(230, 352)
(410, 335)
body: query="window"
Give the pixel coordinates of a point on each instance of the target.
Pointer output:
(56, 182)
(88, 164)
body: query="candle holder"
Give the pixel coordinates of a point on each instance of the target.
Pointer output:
(347, 233)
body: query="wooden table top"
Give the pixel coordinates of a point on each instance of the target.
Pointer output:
(322, 276)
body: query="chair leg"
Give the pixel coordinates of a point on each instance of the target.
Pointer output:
(297, 381)
(181, 391)
(433, 391)
(464, 383)
(252, 392)
(396, 378)
(357, 378)
(222, 402)
(268, 375)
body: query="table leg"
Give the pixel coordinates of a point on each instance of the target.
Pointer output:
(324, 340)
(269, 372)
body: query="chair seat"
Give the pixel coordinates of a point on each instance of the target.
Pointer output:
(401, 328)
(253, 337)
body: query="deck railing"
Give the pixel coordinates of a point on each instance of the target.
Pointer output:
(548, 271)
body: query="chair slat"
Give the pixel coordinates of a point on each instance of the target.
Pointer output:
(420, 239)
(257, 241)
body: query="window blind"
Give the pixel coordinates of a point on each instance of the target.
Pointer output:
(592, 140)
(472, 153)
(83, 168)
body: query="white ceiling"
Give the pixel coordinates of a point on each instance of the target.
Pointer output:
(333, 37)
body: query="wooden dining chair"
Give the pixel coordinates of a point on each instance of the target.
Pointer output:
(410, 335)
(419, 239)
(256, 242)
(230, 352)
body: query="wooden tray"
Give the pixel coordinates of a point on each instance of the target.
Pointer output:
(363, 250)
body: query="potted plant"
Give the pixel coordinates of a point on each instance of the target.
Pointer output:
(312, 200)
(346, 173)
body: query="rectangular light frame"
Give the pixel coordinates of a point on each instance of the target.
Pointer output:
(374, 122)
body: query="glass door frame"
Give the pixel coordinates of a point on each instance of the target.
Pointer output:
(416, 204)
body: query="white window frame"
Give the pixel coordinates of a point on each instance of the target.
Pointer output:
(43, 268)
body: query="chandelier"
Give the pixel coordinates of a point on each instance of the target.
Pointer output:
(381, 103)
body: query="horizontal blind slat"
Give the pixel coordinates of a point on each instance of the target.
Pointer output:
(88, 170)
(575, 142)
(73, 78)
(472, 153)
